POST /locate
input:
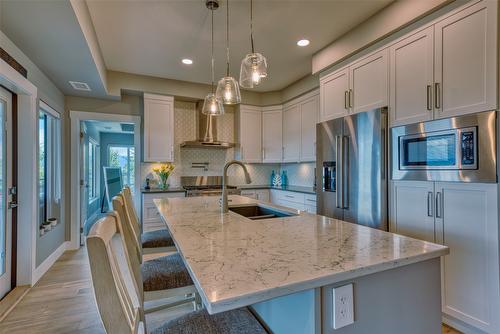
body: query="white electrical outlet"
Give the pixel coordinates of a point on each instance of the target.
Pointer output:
(343, 306)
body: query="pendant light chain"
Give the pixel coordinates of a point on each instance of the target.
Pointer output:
(251, 25)
(227, 38)
(213, 62)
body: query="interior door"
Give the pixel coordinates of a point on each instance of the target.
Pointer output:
(84, 181)
(5, 195)
(328, 138)
(365, 168)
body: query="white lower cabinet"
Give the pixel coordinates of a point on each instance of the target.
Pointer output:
(151, 219)
(464, 217)
(259, 194)
(294, 200)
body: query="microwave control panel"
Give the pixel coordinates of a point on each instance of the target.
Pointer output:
(468, 148)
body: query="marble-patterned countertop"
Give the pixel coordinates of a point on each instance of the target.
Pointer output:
(235, 261)
(297, 189)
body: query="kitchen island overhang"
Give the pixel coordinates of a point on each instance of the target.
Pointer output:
(235, 261)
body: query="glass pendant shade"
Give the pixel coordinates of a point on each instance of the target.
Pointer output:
(228, 91)
(212, 106)
(253, 69)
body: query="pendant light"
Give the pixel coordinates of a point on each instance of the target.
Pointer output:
(254, 65)
(228, 90)
(212, 105)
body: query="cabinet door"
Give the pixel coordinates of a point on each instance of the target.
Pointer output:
(411, 78)
(412, 209)
(309, 117)
(333, 95)
(467, 222)
(262, 195)
(251, 134)
(272, 135)
(466, 64)
(158, 128)
(369, 83)
(291, 133)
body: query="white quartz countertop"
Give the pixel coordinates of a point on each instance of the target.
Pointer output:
(235, 261)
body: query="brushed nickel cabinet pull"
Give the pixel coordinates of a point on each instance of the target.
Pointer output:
(351, 98)
(437, 95)
(346, 97)
(430, 204)
(429, 97)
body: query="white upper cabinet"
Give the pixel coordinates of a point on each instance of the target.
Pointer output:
(334, 90)
(411, 78)
(368, 80)
(309, 117)
(291, 133)
(158, 128)
(272, 134)
(250, 133)
(466, 61)
(467, 222)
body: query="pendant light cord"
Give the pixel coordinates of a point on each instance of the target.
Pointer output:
(251, 24)
(213, 62)
(227, 37)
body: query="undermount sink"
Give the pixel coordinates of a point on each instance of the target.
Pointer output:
(255, 212)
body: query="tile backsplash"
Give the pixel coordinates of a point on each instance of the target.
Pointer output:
(185, 129)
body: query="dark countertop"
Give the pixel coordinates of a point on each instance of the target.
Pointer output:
(297, 189)
(160, 190)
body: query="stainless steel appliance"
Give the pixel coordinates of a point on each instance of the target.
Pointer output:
(351, 168)
(205, 186)
(459, 149)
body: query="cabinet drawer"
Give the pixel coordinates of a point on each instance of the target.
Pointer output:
(291, 205)
(290, 196)
(310, 199)
(249, 193)
(310, 208)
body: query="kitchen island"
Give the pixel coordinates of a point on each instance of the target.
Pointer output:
(285, 268)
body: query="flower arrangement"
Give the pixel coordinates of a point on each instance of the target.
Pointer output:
(163, 172)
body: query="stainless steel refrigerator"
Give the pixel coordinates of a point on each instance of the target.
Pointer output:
(351, 168)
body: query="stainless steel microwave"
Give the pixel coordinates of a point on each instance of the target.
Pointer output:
(459, 149)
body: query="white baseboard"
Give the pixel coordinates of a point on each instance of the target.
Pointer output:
(48, 262)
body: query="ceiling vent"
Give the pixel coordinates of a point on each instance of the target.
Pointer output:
(80, 85)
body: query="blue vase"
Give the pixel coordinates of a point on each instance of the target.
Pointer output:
(272, 177)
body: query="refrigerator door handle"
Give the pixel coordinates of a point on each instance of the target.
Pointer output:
(338, 173)
(345, 172)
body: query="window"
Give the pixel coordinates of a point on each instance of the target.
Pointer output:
(93, 169)
(123, 157)
(49, 163)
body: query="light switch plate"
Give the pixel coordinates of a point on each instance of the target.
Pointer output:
(343, 306)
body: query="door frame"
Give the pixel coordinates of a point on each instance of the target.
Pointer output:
(76, 117)
(27, 222)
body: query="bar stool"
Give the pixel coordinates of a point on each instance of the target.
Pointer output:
(160, 278)
(158, 241)
(120, 307)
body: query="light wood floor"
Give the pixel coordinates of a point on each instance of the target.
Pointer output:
(63, 302)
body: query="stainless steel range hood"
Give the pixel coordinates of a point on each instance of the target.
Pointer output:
(207, 132)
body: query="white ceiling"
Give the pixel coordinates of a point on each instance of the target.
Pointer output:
(151, 37)
(48, 33)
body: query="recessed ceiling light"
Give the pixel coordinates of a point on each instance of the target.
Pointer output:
(187, 61)
(303, 42)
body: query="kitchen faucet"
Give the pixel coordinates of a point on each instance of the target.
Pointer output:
(225, 207)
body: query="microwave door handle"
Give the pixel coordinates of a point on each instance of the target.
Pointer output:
(338, 172)
(345, 172)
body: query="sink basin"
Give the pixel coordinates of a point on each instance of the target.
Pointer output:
(255, 212)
